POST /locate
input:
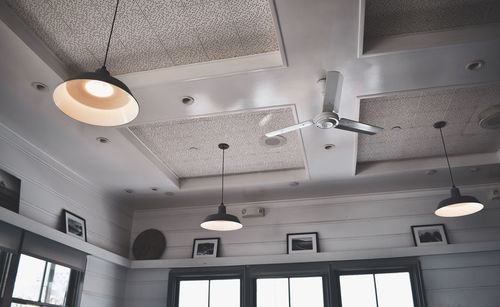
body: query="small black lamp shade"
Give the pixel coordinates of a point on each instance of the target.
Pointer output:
(221, 221)
(458, 205)
(96, 98)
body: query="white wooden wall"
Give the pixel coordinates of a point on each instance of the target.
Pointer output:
(104, 284)
(344, 224)
(48, 187)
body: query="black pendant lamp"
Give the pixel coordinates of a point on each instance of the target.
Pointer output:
(97, 98)
(222, 221)
(457, 204)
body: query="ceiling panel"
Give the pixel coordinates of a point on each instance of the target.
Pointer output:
(400, 17)
(149, 34)
(189, 146)
(416, 111)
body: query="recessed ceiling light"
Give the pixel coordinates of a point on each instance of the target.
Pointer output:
(329, 146)
(490, 118)
(396, 128)
(169, 193)
(39, 86)
(102, 140)
(129, 191)
(475, 65)
(193, 148)
(187, 100)
(274, 141)
(154, 189)
(431, 172)
(294, 184)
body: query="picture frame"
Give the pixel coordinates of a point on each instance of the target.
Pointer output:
(301, 243)
(206, 248)
(10, 191)
(428, 235)
(75, 225)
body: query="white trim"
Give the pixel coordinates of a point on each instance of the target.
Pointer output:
(58, 236)
(199, 71)
(331, 256)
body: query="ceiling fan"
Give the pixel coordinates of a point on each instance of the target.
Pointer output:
(329, 118)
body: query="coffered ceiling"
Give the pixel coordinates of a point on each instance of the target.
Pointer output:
(149, 34)
(405, 84)
(409, 116)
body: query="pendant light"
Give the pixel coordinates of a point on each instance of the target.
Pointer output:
(222, 221)
(97, 98)
(457, 204)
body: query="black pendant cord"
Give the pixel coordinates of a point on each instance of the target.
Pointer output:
(222, 192)
(110, 34)
(447, 159)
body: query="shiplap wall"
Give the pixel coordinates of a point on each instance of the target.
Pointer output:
(48, 187)
(104, 284)
(343, 224)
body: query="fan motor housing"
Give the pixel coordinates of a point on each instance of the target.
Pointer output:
(326, 120)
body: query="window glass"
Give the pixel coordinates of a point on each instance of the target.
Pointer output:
(357, 290)
(306, 292)
(225, 293)
(56, 286)
(193, 293)
(272, 292)
(29, 278)
(394, 290)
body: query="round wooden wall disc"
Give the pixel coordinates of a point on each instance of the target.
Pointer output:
(149, 245)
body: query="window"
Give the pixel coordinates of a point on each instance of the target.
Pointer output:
(290, 292)
(376, 290)
(39, 282)
(209, 293)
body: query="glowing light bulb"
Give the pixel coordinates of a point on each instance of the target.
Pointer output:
(99, 88)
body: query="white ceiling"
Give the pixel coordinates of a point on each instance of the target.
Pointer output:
(189, 147)
(415, 112)
(149, 34)
(318, 35)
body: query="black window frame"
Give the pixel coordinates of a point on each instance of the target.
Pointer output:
(330, 272)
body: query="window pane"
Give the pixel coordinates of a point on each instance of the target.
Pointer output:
(272, 292)
(357, 291)
(225, 293)
(394, 290)
(306, 292)
(57, 284)
(29, 278)
(193, 293)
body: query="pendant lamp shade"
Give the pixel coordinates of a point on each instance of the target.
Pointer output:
(97, 98)
(456, 205)
(221, 221)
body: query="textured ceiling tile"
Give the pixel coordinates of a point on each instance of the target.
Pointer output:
(149, 34)
(459, 107)
(396, 17)
(189, 146)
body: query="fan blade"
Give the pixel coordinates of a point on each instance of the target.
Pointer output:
(290, 129)
(351, 125)
(333, 90)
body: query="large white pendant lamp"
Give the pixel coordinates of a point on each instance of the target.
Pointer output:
(457, 204)
(97, 98)
(222, 221)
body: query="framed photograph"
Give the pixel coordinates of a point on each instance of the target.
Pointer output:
(206, 247)
(299, 243)
(75, 226)
(424, 235)
(10, 191)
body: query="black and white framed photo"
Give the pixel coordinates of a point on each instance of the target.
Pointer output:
(206, 247)
(299, 243)
(424, 235)
(75, 226)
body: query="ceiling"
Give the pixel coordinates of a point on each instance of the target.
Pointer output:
(189, 146)
(315, 36)
(149, 34)
(403, 17)
(409, 116)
